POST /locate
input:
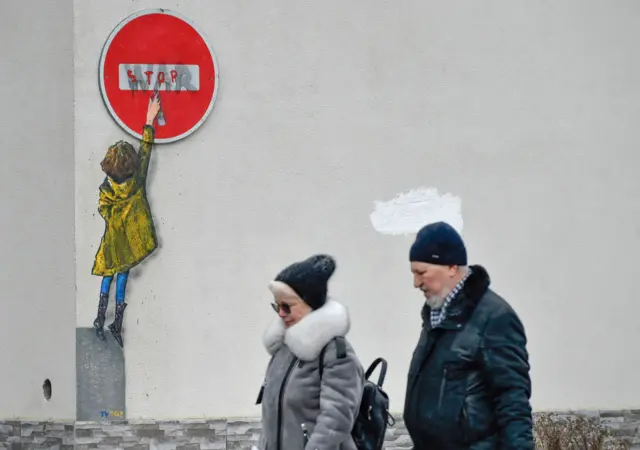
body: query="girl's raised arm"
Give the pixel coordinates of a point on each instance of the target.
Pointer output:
(144, 154)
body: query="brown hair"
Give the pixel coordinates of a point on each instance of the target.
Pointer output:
(121, 161)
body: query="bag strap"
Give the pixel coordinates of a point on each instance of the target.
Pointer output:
(383, 370)
(264, 382)
(341, 351)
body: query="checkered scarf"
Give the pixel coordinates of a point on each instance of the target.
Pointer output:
(438, 315)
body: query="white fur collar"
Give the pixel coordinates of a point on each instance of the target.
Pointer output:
(307, 338)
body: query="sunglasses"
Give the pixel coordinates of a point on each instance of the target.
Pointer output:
(284, 307)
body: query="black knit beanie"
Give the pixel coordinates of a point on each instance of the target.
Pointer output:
(309, 278)
(439, 243)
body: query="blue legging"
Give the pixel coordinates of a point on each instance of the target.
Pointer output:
(121, 286)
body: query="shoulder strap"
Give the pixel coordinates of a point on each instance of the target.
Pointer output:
(383, 370)
(264, 382)
(341, 351)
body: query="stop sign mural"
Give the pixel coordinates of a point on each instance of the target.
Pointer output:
(159, 50)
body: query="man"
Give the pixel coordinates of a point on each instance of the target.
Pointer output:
(468, 384)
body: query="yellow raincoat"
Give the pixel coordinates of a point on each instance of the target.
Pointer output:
(129, 235)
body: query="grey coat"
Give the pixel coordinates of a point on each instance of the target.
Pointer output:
(326, 408)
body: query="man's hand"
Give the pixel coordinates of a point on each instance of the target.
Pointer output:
(152, 110)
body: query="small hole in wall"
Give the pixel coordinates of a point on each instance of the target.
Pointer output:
(46, 389)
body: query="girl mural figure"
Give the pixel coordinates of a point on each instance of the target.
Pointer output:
(129, 235)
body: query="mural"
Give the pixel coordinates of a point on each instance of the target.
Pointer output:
(129, 234)
(158, 95)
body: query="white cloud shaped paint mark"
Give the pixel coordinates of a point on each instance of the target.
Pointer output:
(410, 211)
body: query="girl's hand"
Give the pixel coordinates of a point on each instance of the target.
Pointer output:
(152, 110)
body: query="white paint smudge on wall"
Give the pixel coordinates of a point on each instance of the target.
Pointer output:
(410, 211)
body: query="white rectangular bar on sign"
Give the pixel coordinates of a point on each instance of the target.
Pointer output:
(166, 77)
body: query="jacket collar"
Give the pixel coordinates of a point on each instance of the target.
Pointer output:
(464, 303)
(310, 335)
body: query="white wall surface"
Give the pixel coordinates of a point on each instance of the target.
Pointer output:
(37, 274)
(526, 111)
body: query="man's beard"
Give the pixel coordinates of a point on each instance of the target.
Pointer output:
(434, 301)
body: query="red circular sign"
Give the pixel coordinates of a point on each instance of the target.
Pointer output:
(161, 50)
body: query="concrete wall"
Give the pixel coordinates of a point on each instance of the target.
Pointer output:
(527, 112)
(37, 335)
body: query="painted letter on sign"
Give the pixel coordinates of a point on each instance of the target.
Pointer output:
(166, 77)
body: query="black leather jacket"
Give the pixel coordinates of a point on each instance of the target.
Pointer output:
(468, 385)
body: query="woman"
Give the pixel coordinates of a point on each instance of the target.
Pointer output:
(300, 408)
